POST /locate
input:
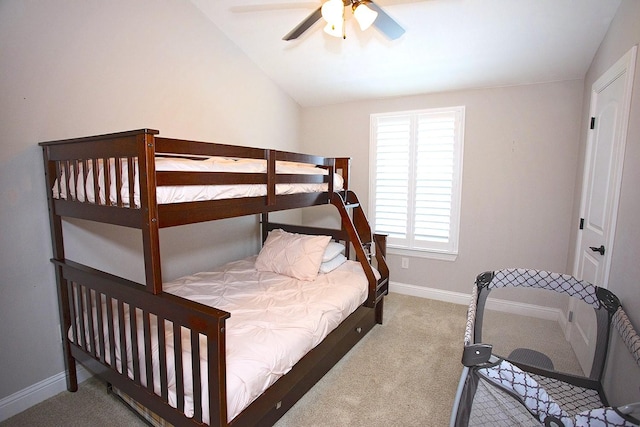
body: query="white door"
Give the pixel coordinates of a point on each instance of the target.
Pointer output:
(610, 103)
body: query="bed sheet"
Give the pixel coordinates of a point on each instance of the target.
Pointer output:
(275, 320)
(83, 190)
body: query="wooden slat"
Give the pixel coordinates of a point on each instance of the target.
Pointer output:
(81, 309)
(67, 175)
(121, 144)
(58, 178)
(162, 359)
(106, 214)
(177, 363)
(124, 362)
(85, 175)
(194, 148)
(132, 164)
(118, 173)
(164, 178)
(111, 328)
(271, 177)
(96, 180)
(106, 182)
(196, 376)
(135, 353)
(173, 214)
(228, 178)
(302, 179)
(100, 325)
(146, 327)
(73, 311)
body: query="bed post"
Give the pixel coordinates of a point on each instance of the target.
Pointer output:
(55, 223)
(343, 164)
(149, 207)
(264, 223)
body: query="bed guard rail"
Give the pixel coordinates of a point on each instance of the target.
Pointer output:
(169, 346)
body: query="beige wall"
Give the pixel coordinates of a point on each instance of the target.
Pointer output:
(70, 69)
(520, 160)
(622, 379)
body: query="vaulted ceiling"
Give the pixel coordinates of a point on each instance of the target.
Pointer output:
(448, 45)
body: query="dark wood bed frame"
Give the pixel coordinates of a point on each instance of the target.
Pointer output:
(82, 289)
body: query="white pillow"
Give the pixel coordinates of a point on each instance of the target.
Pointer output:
(329, 266)
(295, 255)
(333, 250)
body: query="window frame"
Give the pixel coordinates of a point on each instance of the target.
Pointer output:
(426, 248)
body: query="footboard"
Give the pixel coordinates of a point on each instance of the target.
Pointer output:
(158, 349)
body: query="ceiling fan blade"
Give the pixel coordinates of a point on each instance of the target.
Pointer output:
(273, 6)
(385, 23)
(304, 25)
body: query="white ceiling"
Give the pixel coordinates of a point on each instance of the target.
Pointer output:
(448, 45)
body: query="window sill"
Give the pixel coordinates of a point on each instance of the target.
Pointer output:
(416, 253)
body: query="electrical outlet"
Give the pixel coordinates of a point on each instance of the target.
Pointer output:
(405, 262)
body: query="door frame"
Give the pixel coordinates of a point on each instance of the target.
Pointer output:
(623, 68)
(625, 65)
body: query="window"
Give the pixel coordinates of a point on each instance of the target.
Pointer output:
(416, 170)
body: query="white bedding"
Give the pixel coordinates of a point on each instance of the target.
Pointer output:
(275, 320)
(83, 190)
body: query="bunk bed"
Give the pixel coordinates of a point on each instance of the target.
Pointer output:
(153, 342)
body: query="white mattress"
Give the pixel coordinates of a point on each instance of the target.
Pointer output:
(83, 190)
(275, 320)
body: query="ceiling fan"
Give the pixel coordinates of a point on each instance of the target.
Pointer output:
(366, 12)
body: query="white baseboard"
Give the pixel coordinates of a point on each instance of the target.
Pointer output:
(505, 306)
(36, 393)
(431, 293)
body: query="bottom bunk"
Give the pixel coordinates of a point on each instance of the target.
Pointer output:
(250, 340)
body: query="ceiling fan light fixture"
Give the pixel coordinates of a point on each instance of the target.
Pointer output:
(363, 14)
(333, 11)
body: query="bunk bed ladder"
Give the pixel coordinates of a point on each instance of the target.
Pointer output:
(368, 247)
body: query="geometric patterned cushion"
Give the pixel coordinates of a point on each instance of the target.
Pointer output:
(601, 417)
(527, 390)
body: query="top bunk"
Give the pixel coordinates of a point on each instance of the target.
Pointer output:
(137, 178)
(140, 180)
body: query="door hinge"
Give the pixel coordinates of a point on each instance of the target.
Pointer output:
(593, 123)
(581, 223)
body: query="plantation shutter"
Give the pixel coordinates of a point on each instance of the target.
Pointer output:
(416, 178)
(392, 179)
